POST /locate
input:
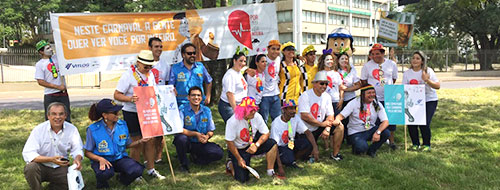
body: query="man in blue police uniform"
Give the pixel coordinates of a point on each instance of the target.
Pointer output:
(198, 129)
(189, 73)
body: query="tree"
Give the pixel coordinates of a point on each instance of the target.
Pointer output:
(477, 19)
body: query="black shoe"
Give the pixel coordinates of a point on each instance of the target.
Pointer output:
(337, 157)
(393, 146)
(294, 165)
(184, 169)
(372, 154)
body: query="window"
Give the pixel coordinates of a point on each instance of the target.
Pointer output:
(311, 38)
(285, 37)
(315, 17)
(361, 41)
(284, 16)
(338, 19)
(360, 22)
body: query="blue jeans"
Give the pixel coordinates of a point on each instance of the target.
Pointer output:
(270, 105)
(430, 108)
(360, 144)
(129, 170)
(225, 110)
(202, 154)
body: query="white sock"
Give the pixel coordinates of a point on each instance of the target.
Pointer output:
(270, 172)
(150, 171)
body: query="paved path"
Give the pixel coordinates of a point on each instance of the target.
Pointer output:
(30, 100)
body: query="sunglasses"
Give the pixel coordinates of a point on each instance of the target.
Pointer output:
(191, 53)
(323, 83)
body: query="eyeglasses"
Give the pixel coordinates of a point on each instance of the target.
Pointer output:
(323, 83)
(191, 53)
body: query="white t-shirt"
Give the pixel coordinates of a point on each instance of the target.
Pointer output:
(44, 71)
(357, 120)
(349, 81)
(334, 85)
(370, 72)
(164, 71)
(279, 129)
(412, 77)
(255, 86)
(234, 82)
(272, 71)
(126, 86)
(318, 106)
(237, 130)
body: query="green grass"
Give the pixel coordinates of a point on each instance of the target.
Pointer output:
(465, 154)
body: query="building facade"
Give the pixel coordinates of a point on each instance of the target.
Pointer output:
(308, 22)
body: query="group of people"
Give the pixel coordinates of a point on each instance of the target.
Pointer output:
(304, 100)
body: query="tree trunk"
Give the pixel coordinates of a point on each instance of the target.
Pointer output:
(487, 54)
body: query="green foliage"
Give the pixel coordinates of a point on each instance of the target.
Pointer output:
(478, 20)
(465, 154)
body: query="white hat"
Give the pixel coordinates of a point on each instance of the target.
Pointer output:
(146, 57)
(320, 76)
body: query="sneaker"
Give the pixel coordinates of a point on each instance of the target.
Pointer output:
(156, 174)
(415, 148)
(140, 180)
(337, 157)
(393, 146)
(294, 165)
(426, 148)
(229, 165)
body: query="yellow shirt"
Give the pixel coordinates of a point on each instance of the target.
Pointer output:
(311, 73)
(293, 85)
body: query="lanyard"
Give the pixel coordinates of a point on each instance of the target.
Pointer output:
(138, 78)
(367, 114)
(291, 142)
(250, 131)
(53, 68)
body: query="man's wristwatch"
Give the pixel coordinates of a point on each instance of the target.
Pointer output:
(378, 132)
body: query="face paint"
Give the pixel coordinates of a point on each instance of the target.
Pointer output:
(48, 51)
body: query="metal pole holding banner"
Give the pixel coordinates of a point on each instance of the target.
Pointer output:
(169, 162)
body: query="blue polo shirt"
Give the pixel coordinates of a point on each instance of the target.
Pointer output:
(200, 122)
(183, 79)
(120, 129)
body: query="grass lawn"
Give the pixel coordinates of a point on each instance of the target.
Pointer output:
(465, 154)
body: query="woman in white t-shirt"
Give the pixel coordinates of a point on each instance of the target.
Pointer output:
(234, 86)
(335, 86)
(363, 112)
(139, 74)
(350, 80)
(256, 80)
(419, 73)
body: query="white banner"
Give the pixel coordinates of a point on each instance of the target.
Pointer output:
(91, 42)
(169, 112)
(415, 111)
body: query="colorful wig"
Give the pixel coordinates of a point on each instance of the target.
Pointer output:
(246, 106)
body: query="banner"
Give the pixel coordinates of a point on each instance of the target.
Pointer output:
(405, 104)
(90, 42)
(147, 111)
(169, 113)
(396, 29)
